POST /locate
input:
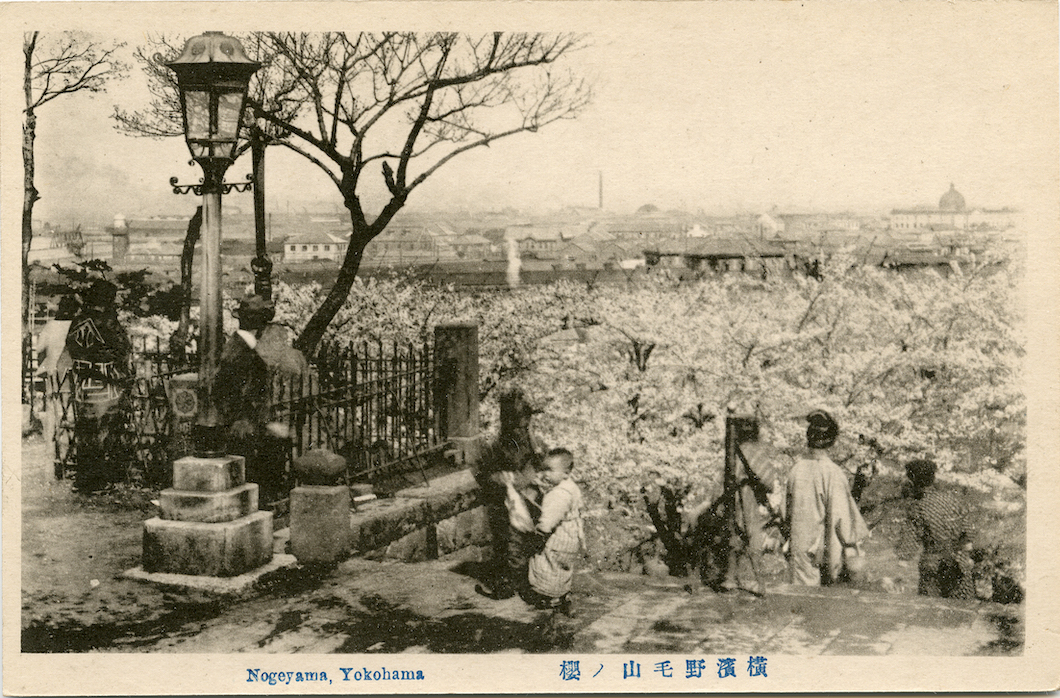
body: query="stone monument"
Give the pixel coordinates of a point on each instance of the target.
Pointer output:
(210, 523)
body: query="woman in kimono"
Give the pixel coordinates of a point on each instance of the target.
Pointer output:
(824, 523)
(100, 354)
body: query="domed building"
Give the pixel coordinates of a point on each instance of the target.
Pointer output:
(952, 214)
(951, 201)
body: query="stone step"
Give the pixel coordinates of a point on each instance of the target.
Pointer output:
(196, 474)
(633, 613)
(223, 549)
(209, 507)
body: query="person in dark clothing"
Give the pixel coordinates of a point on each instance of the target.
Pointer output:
(514, 456)
(942, 523)
(243, 395)
(100, 354)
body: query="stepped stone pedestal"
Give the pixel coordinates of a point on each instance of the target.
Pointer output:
(210, 523)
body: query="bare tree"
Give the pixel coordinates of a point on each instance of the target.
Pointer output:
(391, 109)
(162, 119)
(56, 65)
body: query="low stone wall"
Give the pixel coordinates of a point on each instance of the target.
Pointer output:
(421, 523)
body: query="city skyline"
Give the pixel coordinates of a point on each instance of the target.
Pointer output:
(779, 109)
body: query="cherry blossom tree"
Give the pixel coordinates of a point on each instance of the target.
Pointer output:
(911, 365)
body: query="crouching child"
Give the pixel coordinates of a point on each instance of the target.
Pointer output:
(551, 571)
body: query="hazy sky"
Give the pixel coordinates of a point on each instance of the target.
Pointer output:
(721, 107)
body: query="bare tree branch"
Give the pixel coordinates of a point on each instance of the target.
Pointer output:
(55, 65)
(313, 159)
(74, 64)
(412, 101)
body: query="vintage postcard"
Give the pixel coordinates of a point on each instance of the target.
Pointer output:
(539, 347)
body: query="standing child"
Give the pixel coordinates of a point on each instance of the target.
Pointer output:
(551, 571)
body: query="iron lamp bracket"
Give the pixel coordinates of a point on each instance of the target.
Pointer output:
(198, 189)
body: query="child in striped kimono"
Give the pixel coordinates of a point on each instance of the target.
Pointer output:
(551, 571)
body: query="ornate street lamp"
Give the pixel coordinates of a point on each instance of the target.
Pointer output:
(213, 74)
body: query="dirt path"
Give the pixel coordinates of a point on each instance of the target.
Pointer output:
(61, 533)
(73, 550)
(74, 599)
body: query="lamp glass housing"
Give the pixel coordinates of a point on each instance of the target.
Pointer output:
(212, 117)
(213, 76)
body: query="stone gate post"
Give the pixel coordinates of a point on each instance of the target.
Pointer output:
(456, 389)
(183, 392)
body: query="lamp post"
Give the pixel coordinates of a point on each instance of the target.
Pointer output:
(213, 74)
(261, 265)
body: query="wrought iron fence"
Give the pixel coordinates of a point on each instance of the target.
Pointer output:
(151, 420)
(149, 427)
(30, 389)
(371, 403)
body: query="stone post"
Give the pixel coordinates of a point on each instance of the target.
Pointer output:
(456, 389)
(182, 390)
(320, 509)
(320, 523)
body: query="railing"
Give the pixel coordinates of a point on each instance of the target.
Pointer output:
(371, 403)
(151, 420)
(32, 385)
(149, 428)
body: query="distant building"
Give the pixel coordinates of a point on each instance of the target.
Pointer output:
(719, 255)
(580, 256)
(168, 228)
(593, 235)
(766, 226)
(952, 214)
(535, 240)
(465, 246)
(804, 226)
(315, 246)
(401, 246)
(907, 260)
(645, 229)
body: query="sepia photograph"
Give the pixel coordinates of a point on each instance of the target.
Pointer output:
(396, 347)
